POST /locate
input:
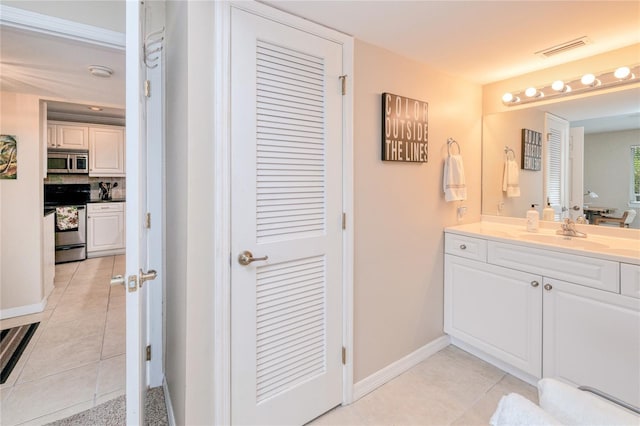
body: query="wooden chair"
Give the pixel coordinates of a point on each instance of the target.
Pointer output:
(623, 222)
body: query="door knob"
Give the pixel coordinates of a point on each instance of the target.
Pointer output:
(147, 276)
(246, 257)
(576, 208)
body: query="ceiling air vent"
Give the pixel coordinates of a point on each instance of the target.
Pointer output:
(563, 47)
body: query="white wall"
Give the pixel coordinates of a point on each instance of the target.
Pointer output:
(607, 168)
(400, 211)
(21, 207)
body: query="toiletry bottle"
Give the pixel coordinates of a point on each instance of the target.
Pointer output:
(548, 213)
(533, 217)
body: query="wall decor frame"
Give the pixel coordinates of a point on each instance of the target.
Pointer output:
(531, 150)
(405, 129)
(8, 157)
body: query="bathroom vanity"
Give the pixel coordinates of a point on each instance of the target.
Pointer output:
(543, 305)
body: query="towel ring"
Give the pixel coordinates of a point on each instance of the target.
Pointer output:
(450, 142)
(508, 150)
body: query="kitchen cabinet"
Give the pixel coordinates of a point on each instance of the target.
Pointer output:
(544, 313)
(106, 151)
(48, 253)
(105, 229)
(63, 135)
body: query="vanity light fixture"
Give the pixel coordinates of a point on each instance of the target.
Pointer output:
(568, 87)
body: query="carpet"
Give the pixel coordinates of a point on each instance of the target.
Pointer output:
(112, 413)
(13, 342)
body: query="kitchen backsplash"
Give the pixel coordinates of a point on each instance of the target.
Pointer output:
(117, 192)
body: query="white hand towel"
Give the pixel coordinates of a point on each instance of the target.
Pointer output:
(511, 178)
(454, 185)
(516, 410)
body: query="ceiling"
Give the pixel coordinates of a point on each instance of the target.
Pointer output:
(481, 41)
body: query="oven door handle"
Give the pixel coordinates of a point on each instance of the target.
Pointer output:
(76, 246)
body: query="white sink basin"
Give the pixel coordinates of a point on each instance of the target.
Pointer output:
(560, 240)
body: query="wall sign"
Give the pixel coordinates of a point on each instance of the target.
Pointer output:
(531, 150)
(405, 129)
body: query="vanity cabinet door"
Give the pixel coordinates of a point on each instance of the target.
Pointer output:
(495, 309)
(592, 338)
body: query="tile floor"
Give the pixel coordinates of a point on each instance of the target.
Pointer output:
(76, 361)
(451, 387)
(76, 358)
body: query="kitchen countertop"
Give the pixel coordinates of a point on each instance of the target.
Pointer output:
(113, 200)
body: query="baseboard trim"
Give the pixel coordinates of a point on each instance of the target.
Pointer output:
(23, 310)
(398, 367)
(167, 401)
(507, 368)
(103, 253)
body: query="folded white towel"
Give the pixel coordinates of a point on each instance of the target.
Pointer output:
(511, 178)
(516, 410)
(454, 185)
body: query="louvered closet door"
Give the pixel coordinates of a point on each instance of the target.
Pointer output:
(286, 152)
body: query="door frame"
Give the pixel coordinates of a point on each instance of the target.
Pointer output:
(222, 195)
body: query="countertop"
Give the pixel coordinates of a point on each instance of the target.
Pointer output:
(113, 200)
(613, 246)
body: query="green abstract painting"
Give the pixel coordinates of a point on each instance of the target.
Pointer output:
(8, 157)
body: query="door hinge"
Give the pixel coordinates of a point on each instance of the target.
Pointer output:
(344, 356)
(148, 352)
(343, 82)
(344, 221)
(147, 88)
(147, 221)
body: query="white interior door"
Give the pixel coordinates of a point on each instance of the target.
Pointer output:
(286, 167)
(557, 176)
(138, 233)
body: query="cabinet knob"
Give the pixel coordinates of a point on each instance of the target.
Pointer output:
(535, 283)
(548, 287)
(463, 247)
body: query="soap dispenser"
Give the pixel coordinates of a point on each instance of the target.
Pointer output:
(533, 217)
(548, 213)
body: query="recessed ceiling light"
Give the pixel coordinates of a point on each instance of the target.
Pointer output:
(100, 71)
(95, 108)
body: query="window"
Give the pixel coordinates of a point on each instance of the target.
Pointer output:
(635, 174)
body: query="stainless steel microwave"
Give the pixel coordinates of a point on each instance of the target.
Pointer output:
(67, 161)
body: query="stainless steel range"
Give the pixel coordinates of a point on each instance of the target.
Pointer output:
(70, 204)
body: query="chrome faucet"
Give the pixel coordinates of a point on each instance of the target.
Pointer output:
(568, 229)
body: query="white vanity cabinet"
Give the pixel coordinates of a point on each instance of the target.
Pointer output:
(537, 312)
(495, 309)
(592, 338)
(105, 229)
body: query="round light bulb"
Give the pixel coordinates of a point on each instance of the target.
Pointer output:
(622, 73)
(588, 79)
(558, 85)
(507, 97)
(531, 91)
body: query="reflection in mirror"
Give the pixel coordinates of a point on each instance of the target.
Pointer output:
(611, 124)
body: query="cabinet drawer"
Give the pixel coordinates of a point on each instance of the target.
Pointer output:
(587, 271)
(469, 247)
(630, 280)
(104, 207)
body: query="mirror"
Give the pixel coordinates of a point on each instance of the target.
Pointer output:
(611, 124)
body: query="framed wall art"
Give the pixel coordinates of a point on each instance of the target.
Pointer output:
(531, 150)
(8, 157)
(405, 129)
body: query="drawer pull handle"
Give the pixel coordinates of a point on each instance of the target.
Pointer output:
(463, 247)
(535, 283)
(548, 287)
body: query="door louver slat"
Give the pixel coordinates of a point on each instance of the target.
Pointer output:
(290, 152)
(290, 324)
